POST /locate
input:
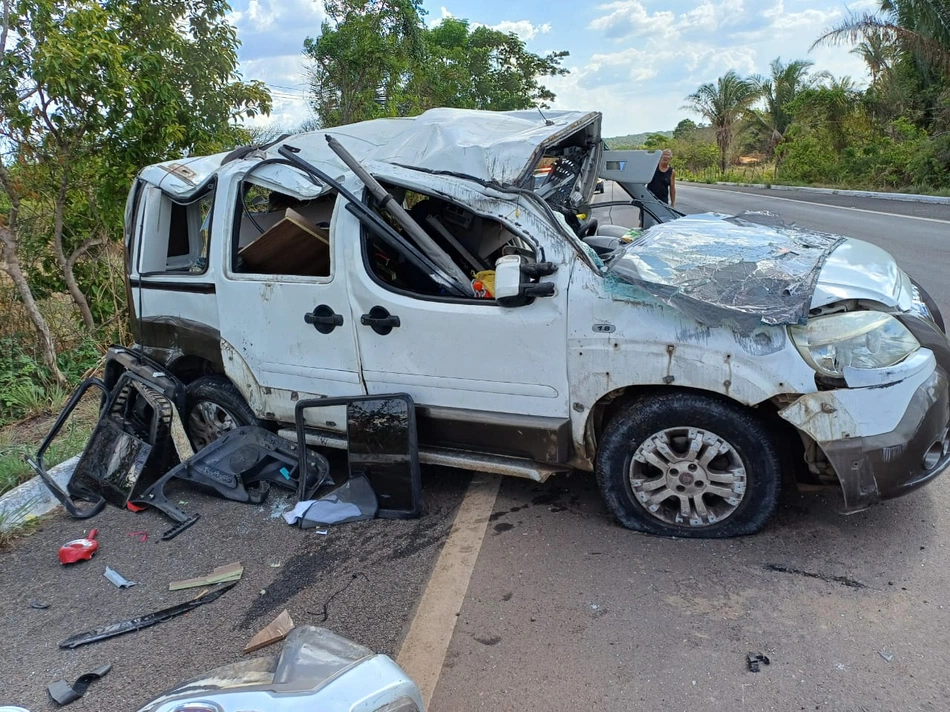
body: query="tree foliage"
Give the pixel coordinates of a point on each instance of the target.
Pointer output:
(376, 58)
(89, 92)
(724, 105)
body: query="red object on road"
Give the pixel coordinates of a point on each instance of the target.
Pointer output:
(79, 549)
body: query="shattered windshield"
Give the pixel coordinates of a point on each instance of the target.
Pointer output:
(746, 270)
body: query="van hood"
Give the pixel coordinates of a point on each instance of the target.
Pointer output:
(753, 269)
(860, 270)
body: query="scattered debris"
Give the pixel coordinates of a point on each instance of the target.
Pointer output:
(240, 466)
(273, 632)
(150, 619)
(38, 605)
(139, 445)
(118, 579)
(62, 693)
(843, 580)
(79, 549)
(352, 501)
(221, 574)
(886, 655)
(755, 660)
(143, 536)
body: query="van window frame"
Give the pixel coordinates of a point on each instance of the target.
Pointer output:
(440, 298)
(210, 187)
(231, 265)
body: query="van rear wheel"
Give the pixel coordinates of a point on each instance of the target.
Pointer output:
(213, 407)
(689, 465)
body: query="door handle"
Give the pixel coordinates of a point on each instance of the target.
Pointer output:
(323, 319)
(380, 320)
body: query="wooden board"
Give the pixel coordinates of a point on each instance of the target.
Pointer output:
(293, 246)
(228, 572)
(276, 630)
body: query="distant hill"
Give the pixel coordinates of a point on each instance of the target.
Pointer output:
(634, 139)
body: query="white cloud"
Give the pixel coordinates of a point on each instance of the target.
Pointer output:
(525, 29)
(264, 15)
(710, 17)
(629, 18)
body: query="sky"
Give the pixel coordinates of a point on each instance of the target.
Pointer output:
(633, 60)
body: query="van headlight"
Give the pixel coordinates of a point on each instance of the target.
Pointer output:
(861, 339)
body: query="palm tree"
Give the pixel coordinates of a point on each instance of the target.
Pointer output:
(877, 52)
(724, 105)
(778, 93)
(921, 27)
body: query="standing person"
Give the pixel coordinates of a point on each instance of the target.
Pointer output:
(663, 185)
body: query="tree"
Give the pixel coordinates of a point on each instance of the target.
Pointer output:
(375, 58)
(482, 69)
(685, 129)
(724, 105)
(778, 92)
(919, 27)
(91, 91)
(360, 60)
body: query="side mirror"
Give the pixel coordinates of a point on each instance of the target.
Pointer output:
(517, 282)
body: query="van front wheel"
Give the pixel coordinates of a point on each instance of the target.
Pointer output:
(213, 407)
(689, 465)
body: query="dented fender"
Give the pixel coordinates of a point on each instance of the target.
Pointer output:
(843, 413)
(881, 441)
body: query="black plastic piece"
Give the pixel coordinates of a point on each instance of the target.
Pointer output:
(130, 447)
(324, 319)
(755, 659)
(383, 445)
(541, 289)
(538, 269)
(62, 693)
(240, 466)
(127, 626)
(380, 320)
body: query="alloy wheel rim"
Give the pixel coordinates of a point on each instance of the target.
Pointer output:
(209, 421)
(687, 477)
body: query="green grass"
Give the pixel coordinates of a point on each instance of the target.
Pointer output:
(23, 439)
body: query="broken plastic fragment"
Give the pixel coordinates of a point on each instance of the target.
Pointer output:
(150, 619)
(118, 579)
(755, 659)
(350, 502)
(62, 693)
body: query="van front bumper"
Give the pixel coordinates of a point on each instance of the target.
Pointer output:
(882, 441)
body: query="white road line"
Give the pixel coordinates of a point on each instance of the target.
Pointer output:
(423, 651)
(820, 205)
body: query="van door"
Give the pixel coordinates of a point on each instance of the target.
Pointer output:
(284, 313)
(484, 377)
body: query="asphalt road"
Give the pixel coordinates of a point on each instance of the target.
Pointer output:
(567, 611)
(564, 610)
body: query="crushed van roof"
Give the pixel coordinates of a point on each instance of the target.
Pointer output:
(489, 146)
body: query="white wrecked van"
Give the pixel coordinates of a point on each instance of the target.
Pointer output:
(693, 369)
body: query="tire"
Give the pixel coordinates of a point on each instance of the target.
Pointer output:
(213, 407)
(744, 482)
